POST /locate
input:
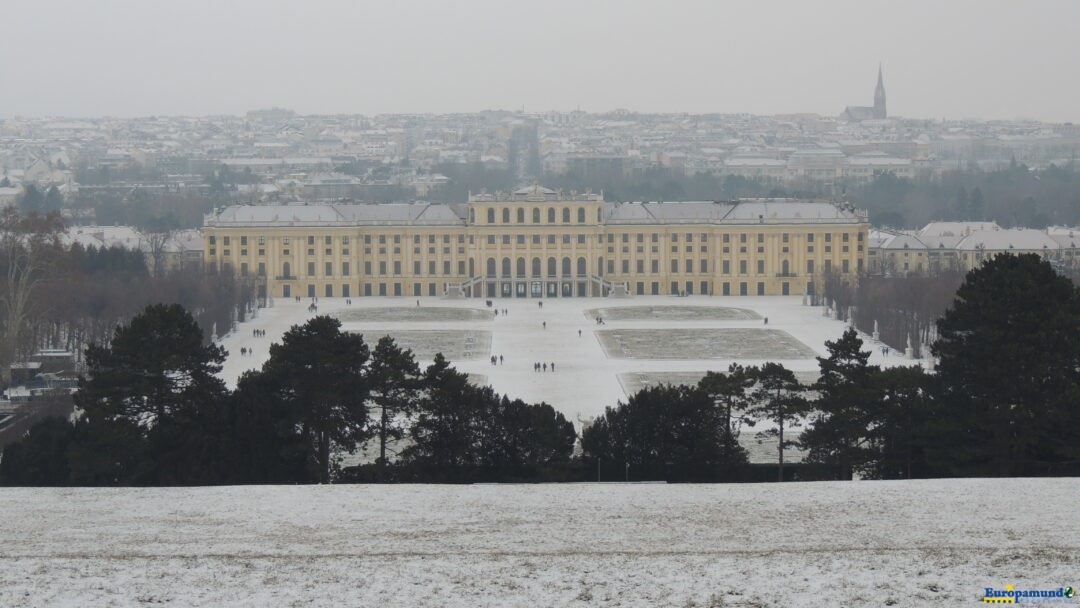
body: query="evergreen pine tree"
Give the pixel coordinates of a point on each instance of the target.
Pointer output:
(318, 371)
(777, 398)
(1009, 372)
(838, 429)
(731, 393)
(394, 382)
(664, 432)
(899, 423)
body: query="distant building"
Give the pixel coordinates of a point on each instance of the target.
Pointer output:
(866, 167)
(537, 242)
(963, 246)
(876, 112)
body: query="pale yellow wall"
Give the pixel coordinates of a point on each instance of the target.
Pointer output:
(471, 242)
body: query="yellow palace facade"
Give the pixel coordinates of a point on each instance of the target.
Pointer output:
(537, 242)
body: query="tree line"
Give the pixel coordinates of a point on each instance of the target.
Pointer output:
(153, 411)
(54, 295)
(1013, 196)
(1004, 401)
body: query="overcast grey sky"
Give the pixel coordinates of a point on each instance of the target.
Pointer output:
(971, 58)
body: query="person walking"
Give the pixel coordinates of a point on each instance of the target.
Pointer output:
(553, 366)
(579, 333)
(545, 367)
(545, 324)
(500, 359)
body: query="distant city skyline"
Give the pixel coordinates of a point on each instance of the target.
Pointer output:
(122, 58)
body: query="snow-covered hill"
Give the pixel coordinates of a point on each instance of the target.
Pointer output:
(923, 543)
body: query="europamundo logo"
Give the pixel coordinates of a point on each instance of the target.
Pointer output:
(1011, 595)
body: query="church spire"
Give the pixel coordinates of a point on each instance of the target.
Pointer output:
(879, 96)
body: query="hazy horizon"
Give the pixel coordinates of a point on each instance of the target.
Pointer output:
(122, 58)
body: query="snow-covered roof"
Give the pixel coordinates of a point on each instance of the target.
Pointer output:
(1067, 240)
(754, 162)
(104, 236)
(878, 161)
(955, 228)
(257, 214)
(895, 240)
(345, 214)
(941, 242)
(534, 190)
(754, 211)
(1016, 238)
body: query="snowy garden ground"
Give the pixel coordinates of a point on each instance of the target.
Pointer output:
(644, 340)
(921, 543)
(652, 338)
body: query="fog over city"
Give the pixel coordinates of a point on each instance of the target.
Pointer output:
(958, 59)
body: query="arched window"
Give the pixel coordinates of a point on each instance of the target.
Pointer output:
(506, 267)
(520, 215)
(581, 267)
(581, 215)
(285, 270)
(521, 267)
(491, 267)
(551, 215)
(566, 215)
(491, 216)
(784, 268)
(536, 267)
(566, 267)
(553, 266)
(536, 215)
(506, 215)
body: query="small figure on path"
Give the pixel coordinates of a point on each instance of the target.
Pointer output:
(540, 304)
(545, 324)
(579, 333)
(552, 366)
(545, 367)
(500, 359)
(766, 320)
(418, 303)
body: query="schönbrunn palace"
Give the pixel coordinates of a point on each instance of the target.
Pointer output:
(536, 242)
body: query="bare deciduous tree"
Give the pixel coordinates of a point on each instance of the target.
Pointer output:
(25, 246)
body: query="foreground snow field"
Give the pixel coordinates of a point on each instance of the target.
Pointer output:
(923, 543)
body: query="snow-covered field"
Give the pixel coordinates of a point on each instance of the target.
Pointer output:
(587, 379)
(923, 543)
